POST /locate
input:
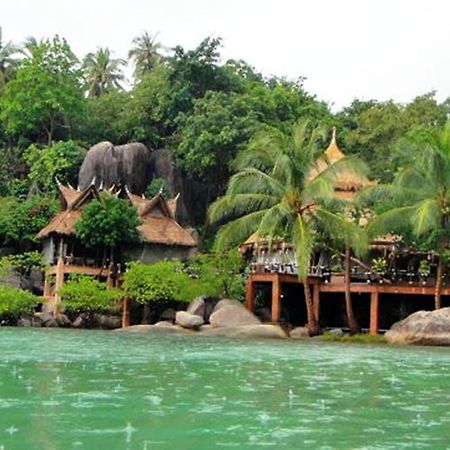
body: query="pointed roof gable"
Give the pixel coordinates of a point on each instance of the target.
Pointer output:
(67, 195)
(158, 207)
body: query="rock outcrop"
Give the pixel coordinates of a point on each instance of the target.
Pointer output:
(231, 313)
(188, 320)
(110, 165)
(422, 328)
(299, 333)
(246, 331)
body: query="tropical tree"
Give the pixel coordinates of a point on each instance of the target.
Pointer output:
(421, 191)
(45, 95)
(108, 222)
(103, 73)
(282, 188)
(8, 62)
(351, 238)
(145, 54)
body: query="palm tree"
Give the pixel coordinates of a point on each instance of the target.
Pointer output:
(422, 190)
(352, 238)
(7, 61)
(103, 73)
(145, 54)
(282, 189)
(30, 45)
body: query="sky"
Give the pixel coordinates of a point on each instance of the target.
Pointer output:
(346, 49)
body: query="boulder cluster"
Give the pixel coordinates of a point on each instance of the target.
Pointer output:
(228, 318)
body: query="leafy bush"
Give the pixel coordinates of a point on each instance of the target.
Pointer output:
(156, 186)
(82, 293)
(219, 274)
(109, 221)
(15, 302)
(60, 160)
(21, 220)
(22, 263)
(162, 281)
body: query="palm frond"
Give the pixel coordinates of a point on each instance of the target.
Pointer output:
(237, 231)
(391, 221)
(426, 216)
(231, 206)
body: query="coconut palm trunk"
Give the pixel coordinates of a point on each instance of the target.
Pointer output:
(438, 286)
(351, 319)
(313, 325)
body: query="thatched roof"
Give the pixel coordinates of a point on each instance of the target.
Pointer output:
(348, 182)
(164, 230)
(157, 215)
(63, 223)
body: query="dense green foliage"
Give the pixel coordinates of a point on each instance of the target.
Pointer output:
(162, 281)
(22, 263)
(83, 293)
(21, 220)
(108, 222)
(215, 275)
(218, 274)
(15, 302)
(60, 161)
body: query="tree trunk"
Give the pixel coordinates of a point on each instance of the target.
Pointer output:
(146, 314)
(313, 326)
(352, 322)
(438, 287)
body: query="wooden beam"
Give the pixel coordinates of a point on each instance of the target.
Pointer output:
(250, 295)
(58, 284)
(374, 313)
(276, 299)
(125, 313)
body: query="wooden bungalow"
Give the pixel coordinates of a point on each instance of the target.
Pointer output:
(274, 267)
(161, 237)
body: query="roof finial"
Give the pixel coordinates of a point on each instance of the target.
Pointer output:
(100, 188)
(333, 139)
(57, 181)
(93, 181)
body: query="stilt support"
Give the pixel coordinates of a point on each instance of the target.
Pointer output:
(316, 301)
(125, 313)
(374, 313)
(250, 295)
(59, 281)
(276, 299)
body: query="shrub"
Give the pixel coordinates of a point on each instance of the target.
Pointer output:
(162, 281)
(82, 293)
(22, 263)
(219, 274)
(15, 302)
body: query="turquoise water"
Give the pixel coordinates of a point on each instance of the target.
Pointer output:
(66, 389)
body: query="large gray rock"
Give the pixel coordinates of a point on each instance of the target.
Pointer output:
(128, 165)
(63, 321)
(422, 328)
(197, 307)
(160, 327)
(299, 333)
(231, 313)
(107, 322)
(188, 320)
(168, 315)
(246, 331)
(46, 319)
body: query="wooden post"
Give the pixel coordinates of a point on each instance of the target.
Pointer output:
(316, 300)
(250, 295)
(374, 313)
(125, 313)
(58, 284)
(276, 298)
(46, 286)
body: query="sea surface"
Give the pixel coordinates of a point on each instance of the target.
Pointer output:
(67, 389)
